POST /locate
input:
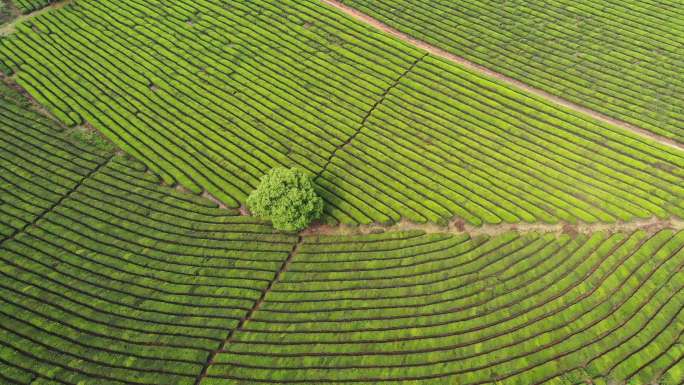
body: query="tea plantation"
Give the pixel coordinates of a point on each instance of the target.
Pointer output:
(473, 232)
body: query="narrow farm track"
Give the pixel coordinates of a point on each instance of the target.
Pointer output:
(458, 227)
(436, 51)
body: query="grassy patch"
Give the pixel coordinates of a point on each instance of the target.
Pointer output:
(5, 13)
(10, 94)
(92, 138)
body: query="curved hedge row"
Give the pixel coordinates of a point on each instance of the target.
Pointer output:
(106, 276)
(617, 57)
(412, 308)
(212, 95)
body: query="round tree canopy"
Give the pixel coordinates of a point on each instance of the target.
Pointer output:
(286, 197)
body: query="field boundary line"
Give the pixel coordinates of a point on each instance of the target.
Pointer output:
(11, 26)
(369, 113)
(436, 51)
(652, 224)
(248, 316)
(57, 202)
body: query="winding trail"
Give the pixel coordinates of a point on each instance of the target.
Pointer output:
(436, 51)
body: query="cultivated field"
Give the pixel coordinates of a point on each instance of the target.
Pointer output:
(181, 86)
(476, 233)
(108, 277)
(622, 58)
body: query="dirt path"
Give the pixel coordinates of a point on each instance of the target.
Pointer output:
(458, 227)
(483, 70)
(11, 27)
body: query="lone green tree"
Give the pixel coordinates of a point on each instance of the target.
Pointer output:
(287, 198)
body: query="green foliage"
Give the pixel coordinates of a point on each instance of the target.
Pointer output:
(666, 379)
(287, 198)
(28, 6)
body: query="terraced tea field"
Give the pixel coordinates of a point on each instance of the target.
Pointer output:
(474, 232)
(109, 277)
(621, 58)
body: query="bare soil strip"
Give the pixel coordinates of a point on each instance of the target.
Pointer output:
(11, 27)
(511, 81)
(458, 227)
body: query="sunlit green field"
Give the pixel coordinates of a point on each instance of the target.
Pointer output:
(474, 233)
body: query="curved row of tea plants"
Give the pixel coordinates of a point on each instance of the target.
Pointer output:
(621, 58)
(213, 94)
(108, 277)
(414, 308)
